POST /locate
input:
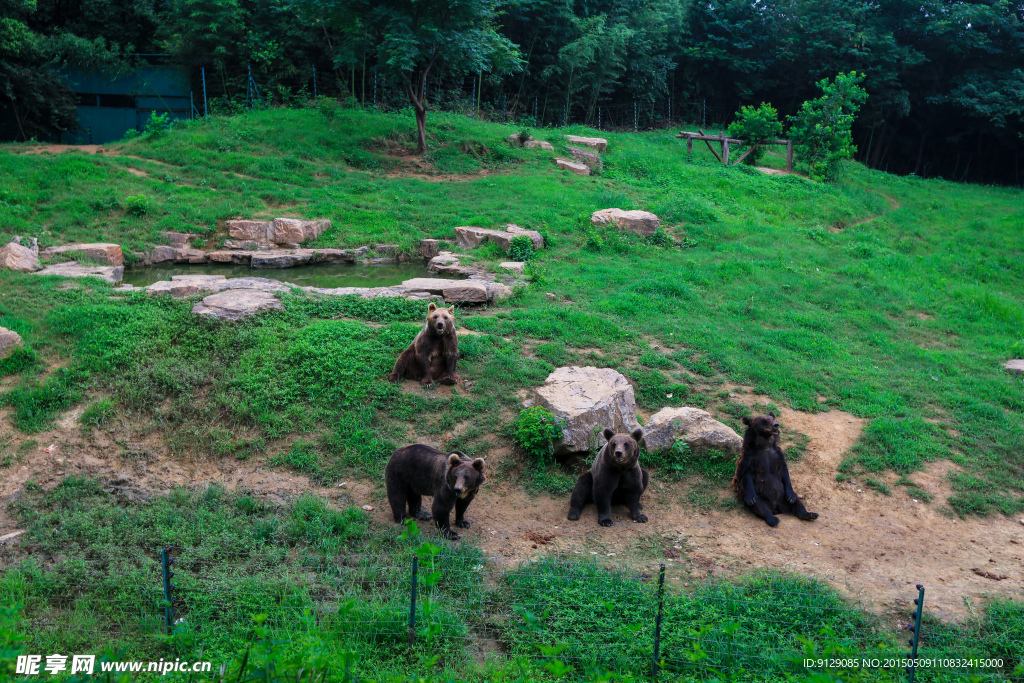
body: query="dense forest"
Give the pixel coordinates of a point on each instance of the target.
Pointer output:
(945, 79)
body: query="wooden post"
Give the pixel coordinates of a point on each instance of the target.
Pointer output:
(789, 156)
(725, 152)
(689, 146)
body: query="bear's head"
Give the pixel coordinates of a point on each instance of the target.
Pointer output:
(465, 476)
(623, 449)
(763, 426)
(440, 320)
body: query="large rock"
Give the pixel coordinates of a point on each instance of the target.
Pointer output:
(236, 304)
(1014, 367)
(640, 222)
(429, 248)
(9, 340)
(111, 274)
(497, 291)
(186, 285)
(162, 254)
(469, 236)
(600, 144)
(566, 165)
(538, 144)
(189, 255)
(178, 239)
(692, 425)
(465, 292)
(591, 159)
(101, 253)
(13, 256)
(295, 231)
(587, 400)
(283, 259)
(515, 266)
(255, 231)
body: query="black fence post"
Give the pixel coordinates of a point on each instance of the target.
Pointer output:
(168, 609)
(916, 628)
(412, 601)
(206, 111)
(657, 622)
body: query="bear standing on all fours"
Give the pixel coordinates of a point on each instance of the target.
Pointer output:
(451, 478)
(615, 478)
(433, 353)
(762, 477)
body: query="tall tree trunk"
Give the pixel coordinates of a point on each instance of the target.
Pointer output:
(421, 130)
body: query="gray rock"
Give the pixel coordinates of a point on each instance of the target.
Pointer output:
(291, 231)
(248, 245)
(538, 144)
(161, 254)
(13, 256)
(591, 159)
(230, 256)
(497, 291)
(600, 144)
(465, 292)
(281, 259)
(429, 248)
(640, 222)
(100, 252)
(386, 249)
(587, 399)
(178, 239)
(237, 304)
(256, 231)
(692, 425)
(566, 165)
(9, 340)
(515, 266)
(189, 255)
(430, 285)
(469, 237)
(1015, 366)
(111, 274)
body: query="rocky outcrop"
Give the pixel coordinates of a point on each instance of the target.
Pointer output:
(566, 165)
(13, 256)
(640, 222)
(237, 304)
(111, 274)
(586, 400)
(453, 291)
(692, 425)
(469, 237)
(538, 144)
(283, 231)
(1014, 367)
(600, 144)
(591, 159)
(9, 340)
(178, 239)
(109, 254)
(429, 248)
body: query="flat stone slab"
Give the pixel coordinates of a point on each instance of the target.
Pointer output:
(178, 239)
(692, 425)
(591, 159)
(104, 253)
(587, 399)
(640, 222)
(566, 165)
(111, 274)
(514, 266)
(237, 304)
(1015, 366)
(9, 340)
(600, 144)
(469, 236)
(14, 256)
(276, 231)
(538, 144)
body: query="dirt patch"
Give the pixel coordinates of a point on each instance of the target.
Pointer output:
(60, 149)
(775, 171)
(136, 172)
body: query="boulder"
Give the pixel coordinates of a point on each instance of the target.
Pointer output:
(429, 248)
(465, 292)
(387, 249)
(497, 291)
(13, 256)
(294, 230)
(587, 399)
(600, 144)
(538, 144)
(248, 245)
(178, 239)
(515, 140)
(189, 255)
(591, 159)
(692, 425)
(161, 254)
(186, 285)
(566, 165)
(9, 340)
(640, 222)
(237, 304)
(515, 266)
(282, 259)
(469, 237)
(111, 274)
(99, 252)
(1014, 367)
(256, 231)
(228, 256)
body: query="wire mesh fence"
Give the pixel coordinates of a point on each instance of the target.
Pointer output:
(676, 619)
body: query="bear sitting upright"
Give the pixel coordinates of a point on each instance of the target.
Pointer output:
(451, 478)
(616, 477)
(762, 477)
(433, 353)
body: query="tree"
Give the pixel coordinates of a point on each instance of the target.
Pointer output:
(756, 126)
(822, 128)
(413, 37)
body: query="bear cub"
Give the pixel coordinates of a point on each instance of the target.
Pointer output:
(433, 353)
(762, 477)
(615, 478)
(451, 478)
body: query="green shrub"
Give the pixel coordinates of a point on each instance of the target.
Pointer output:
(136, 205)
(521, 248)
(158, 124)
(756, 126)
(98, 414)
(821, 130)
(534, 431)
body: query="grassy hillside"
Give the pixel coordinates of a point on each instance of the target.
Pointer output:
(892, 298)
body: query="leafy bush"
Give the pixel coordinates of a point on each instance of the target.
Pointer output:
(521, 248)
(136, 204)
(534, 430)
(755, 126)
(158, 124)
(821, 129)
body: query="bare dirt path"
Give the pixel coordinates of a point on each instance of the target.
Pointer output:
(869, 546)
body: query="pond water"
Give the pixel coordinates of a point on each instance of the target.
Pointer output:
(324, 275)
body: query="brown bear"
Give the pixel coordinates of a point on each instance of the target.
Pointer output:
(434, 351)
(615, 478)
(762, 477)
(451, 478)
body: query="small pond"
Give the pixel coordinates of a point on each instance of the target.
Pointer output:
(326, 275)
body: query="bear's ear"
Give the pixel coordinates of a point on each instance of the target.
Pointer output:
(478, 464)
(431, 308)
(637, 435)
(454, 460)
(745, 420)
(451, 309)
(607, 434)
(771, 415)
